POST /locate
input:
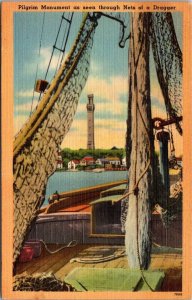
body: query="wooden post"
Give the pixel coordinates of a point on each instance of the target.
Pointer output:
(137, 238)
(163, 138)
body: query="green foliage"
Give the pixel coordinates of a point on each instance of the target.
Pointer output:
(65, 162)
(80, 168)
(69, 154)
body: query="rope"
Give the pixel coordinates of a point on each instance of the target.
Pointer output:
(69, 245)
(135, 189)
(40, 43)
(59, 58)
(64, 48)
(54, 46)
(99, 260)
(49, 100)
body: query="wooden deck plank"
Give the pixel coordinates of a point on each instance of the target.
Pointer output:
(177, 262)
(55, 260)
(23, 267)
(123, 263)
(46, 261)
(60, 266)
(62, 272)
(156, 261)
(38, 265)
(168, 262)
(53, 265)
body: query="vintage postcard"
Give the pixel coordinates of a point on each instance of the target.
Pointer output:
(96, 150)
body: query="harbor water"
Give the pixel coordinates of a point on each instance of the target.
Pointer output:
(69, 181)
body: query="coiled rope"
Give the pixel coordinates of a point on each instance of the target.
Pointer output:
(96, 260)
(71, 244)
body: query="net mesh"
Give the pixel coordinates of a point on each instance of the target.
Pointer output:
(168, 62)
(37, 144)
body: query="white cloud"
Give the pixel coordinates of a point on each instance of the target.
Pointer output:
(45, 58)
(110, 123)
(25, 94)
(42, 61)
(94, 67)
(108, 133)
(26, 106)
(109, 89)
(104, 137)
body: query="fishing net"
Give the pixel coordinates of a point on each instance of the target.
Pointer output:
(40, 282)
(37, 144)
(168, 62)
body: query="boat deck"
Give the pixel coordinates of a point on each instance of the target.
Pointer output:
(59, 263)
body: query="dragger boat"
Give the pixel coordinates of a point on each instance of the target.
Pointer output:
(99, 238)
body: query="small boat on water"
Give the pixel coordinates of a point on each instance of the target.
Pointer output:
(98, 170)
(90, 219)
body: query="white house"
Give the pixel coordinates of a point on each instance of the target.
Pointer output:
(101, 161)
(59, 161)
(114, 161)
(124, 162)
(73, 164)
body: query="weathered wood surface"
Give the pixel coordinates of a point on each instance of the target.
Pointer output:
(59, 264)
(79, 196)
(64, 227)
(138, 240)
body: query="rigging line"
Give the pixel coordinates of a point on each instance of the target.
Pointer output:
(40, 43)
(54, 46)
(59, 58)
(69, 28)
(46, 105)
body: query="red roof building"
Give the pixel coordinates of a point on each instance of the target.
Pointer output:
(87, 160)
(73, 164)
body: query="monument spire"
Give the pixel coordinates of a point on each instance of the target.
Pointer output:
(90, 122)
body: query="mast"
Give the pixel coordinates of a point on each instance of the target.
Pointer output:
(137, 239)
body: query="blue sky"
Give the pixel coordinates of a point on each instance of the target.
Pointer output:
(108, 79)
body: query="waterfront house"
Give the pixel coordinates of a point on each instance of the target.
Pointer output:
(87, 161)
(101, 161)
(124, 163)
(114, 161)
(72, 165)
(59, 161)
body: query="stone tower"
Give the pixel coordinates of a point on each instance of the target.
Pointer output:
(90, 123)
